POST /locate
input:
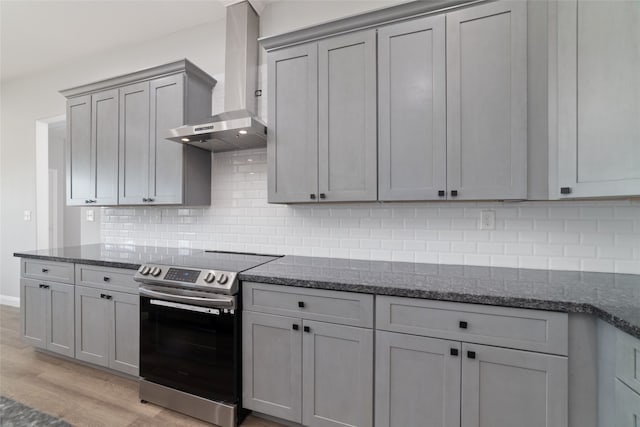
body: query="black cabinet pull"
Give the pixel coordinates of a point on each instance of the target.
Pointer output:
(565, 190)
(106, 278)
(144, 199)
(295, 327)
(43, 286)
(150, 200)
(307, 329)
(301, 304)
(463, 324)
(471, 354)
(442, 193)
(105, 296)
(323, 196)
(453, 351)
(454, 193)
(312, 196)
(45, 270)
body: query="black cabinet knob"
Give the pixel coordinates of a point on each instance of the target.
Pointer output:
(463, 324)
(307, 329)
(295, 327)
(106, 278)
(301, 304)
(565, 190)
(323, 196)
(312, 196)
(471, 354)
(442, 193)
(453, 351)
(454, 193)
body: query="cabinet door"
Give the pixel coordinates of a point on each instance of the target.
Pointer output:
(292, 140)
(347, 125)
(487, 101)
(412, 148)
(417, 381)
(166, 157)
(272, 365)
(124, 338)
(134, 144)
(79, 155)
(104, 144)
(506, 388)
(337, 375)
(92, 326)
(627, 406)
(60, 319)
(599, 98)
(33, 312)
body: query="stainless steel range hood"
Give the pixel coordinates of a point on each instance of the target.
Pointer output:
(238, 127)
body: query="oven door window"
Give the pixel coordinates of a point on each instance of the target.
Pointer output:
(189, 350)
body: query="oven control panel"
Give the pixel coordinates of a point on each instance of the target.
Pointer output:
(197, 278)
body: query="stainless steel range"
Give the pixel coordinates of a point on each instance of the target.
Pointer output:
(190, 334)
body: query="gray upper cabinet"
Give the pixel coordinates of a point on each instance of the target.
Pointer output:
(322, 121)
(134, 143)
(505, 388)
(417, 379)
(412, 153)
(292, 140)
(78, 147)
(487, 101)
(347, 141)
(598, 86)
(115, 145)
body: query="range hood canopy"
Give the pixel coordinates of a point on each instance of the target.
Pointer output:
(238, 128)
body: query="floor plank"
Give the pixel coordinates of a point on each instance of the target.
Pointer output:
(81, 395)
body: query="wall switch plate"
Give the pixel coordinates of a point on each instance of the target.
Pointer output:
(90, 216)
(27, 215)
(487, 220)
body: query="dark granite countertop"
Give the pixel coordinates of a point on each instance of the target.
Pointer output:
(107, 255)
(612, 297)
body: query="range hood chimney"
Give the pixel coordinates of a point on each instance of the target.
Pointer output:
(238, 127)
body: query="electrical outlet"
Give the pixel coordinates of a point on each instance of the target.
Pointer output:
(89, 215)
(27, 215)
(487, 220)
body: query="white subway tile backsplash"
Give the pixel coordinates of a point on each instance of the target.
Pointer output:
(584, 235)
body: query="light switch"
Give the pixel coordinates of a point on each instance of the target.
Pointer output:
(487, 220)
(27, 215)
(89, 215)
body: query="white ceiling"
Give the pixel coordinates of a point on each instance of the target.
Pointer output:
(36, 35)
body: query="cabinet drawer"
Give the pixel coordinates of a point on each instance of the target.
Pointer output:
(346, 308)
(117, 279)
(47, 270)
(533, 330)
(628, 360)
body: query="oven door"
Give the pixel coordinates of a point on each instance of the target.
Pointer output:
(190, 342)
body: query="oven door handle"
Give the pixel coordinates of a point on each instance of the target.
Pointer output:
(204, 301)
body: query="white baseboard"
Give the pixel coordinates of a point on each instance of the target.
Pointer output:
(12, 301)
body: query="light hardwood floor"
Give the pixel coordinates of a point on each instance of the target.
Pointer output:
(80, 395)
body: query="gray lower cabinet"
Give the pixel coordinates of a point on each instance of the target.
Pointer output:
(107, 328)
(272, 365)
(627, 406)
(47, 315)
(503, 388)
(598, 87)
(487, 101)
(412, 137)
(417, 381)
(309, 372)
(322, 121)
